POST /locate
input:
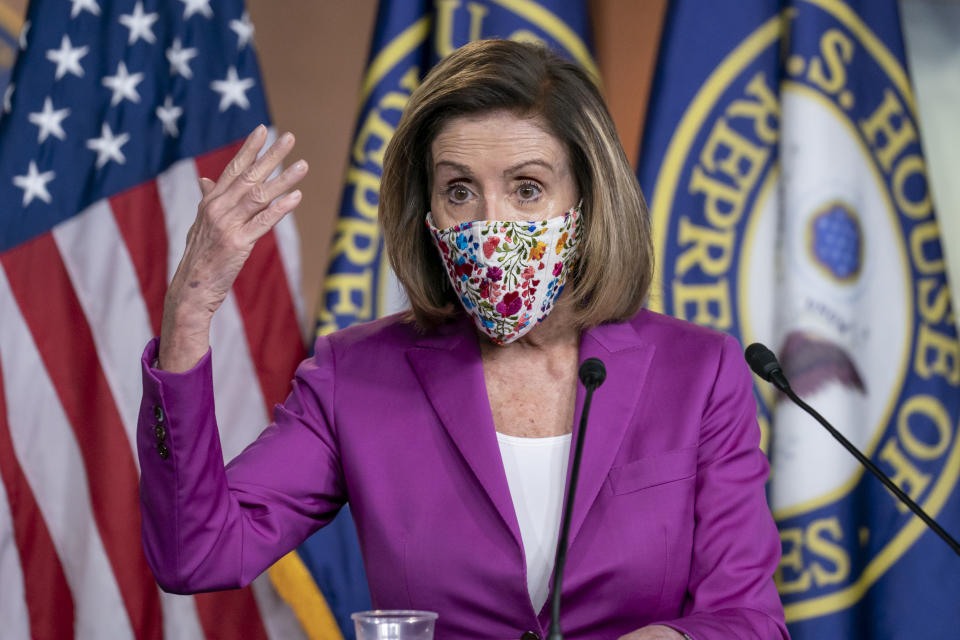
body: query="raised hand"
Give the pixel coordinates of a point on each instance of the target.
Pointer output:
(235, 212)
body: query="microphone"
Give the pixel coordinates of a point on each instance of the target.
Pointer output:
(764, 364)
(592, 374)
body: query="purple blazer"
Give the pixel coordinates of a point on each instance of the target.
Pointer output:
(670, 521)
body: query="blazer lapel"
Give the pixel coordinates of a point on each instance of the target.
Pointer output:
(627, 360)
(448, 366)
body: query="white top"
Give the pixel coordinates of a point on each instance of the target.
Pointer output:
(536, 474)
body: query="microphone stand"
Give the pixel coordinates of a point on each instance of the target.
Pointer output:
(765, 365)
(592, 374)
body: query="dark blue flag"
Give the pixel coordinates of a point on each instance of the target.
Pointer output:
(408, 39)
(790, 206)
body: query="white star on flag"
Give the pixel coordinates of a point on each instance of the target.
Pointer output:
(179, 59)
(8, 98)
(49, 121)
(140, 24)
(168, 114)
(81, 5)
(34, 184)
(123, 85)
(197, 6)
(108, 146)
(233, 90)
(243, 28)
(23, 35)
(67, 58)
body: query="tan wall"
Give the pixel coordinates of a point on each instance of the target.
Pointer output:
(312, 56)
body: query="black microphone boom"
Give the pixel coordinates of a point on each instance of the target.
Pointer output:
(765, 365)
(592, 374)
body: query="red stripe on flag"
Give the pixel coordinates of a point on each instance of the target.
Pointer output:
(139, 215)
(45, 295)
(50, 605)
(230, 614)
(265, 303)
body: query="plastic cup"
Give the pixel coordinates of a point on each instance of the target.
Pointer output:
(394, 625)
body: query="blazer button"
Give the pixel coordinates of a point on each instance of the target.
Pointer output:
(529, 635)
(158, 414)
(160, 433)
(163, 451)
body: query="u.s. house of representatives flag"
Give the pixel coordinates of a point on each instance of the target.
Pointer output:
(409, 38)
(790, 206)
(115, 110)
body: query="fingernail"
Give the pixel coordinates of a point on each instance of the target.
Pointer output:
(260, 128)
(295, 194)
(299, 165)
(287, 137)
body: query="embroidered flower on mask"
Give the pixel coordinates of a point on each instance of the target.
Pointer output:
(537, 252)
(490, 246)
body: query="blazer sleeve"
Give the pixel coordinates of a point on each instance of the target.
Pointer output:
(206, 526)
(736, 547)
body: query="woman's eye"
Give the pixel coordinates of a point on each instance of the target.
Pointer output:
(459, 193)
(528, 191)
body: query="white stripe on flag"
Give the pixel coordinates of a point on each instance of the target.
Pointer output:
(278, 618)
(48, 452)
(106, 284)
(180, 195)
(180, 619)
(288, 243)
(241, 411)
(13, 605)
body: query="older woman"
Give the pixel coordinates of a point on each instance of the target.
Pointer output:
(515, 224)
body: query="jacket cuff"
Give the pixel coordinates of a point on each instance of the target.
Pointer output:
(165, 394)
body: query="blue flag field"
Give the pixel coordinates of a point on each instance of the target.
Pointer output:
(790, 206)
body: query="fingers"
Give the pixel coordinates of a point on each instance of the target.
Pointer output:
(254, 175)
(261, 223)
(206, 186)
(242, 161)
(262, 194)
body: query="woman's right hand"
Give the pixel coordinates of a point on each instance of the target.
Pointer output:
(235, 211)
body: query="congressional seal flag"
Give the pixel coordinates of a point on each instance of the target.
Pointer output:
(409, 37)
(790, 206)
(113, 111)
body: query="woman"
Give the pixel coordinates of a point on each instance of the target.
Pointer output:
(448, 428)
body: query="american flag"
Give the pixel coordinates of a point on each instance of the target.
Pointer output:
(114, 111)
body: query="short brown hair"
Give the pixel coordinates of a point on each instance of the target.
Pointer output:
(616, 257)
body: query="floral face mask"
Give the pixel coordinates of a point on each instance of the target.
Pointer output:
(508, 275)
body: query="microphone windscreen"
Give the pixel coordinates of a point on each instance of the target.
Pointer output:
(761, 360)
(592, 372)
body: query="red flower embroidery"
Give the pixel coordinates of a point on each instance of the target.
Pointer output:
(510, 304)
(490, 246)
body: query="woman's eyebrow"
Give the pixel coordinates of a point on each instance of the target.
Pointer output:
(456, 166)
(520, 165)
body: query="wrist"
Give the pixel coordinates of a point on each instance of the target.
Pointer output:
(184, 337)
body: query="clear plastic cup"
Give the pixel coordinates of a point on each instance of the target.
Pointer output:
(394, 625)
